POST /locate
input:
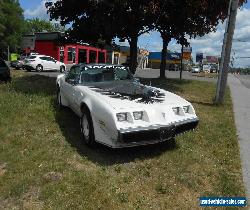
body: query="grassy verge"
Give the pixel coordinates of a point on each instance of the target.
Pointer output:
(44, 165)
(207, 75)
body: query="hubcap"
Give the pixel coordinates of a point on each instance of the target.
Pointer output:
(39, 68)
(85, 127)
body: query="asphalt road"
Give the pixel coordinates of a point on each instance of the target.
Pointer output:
(155, 73)
(145, 73)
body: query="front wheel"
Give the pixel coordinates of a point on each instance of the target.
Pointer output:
(62, 69)
(39, 68)
(87, 130)
(59, 98)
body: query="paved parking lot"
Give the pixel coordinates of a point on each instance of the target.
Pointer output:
(155, 73)
(145, 73)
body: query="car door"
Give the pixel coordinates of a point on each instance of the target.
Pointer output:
(55, 64)
(50, 63)
(68, 87)
(44, 62)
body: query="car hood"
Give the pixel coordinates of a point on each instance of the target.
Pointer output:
(130, 94)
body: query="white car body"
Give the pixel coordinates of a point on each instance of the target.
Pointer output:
(160, 120)
(195, 69)
(43, 63)
(206, 68)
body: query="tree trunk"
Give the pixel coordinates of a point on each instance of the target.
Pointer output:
(181, 62)
(133, 54)
(163, 57)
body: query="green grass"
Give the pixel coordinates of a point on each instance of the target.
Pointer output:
(44, 165)
(204, 74)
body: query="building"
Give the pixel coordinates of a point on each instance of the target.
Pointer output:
(154, 60)
(54, 45)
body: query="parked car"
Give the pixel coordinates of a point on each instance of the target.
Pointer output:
(18, 64)
(206, 68)
(118, 111)
(195, 69)
(4, 71)
(43, 63)
(214, 68)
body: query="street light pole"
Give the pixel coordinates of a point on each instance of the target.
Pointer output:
(226, 51)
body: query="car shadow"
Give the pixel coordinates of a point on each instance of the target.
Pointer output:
(172, 85)
(34, 85)
(103, 155)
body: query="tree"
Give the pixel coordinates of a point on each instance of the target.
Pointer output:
(104, 20)
(11, 25)
(38, 25)
(189, 18)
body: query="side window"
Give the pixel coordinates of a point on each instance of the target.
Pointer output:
(49, 59)
(73, 75)
(43, 58)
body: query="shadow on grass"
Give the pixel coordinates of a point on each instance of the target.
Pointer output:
(69, 125)
(172, 85)
(34, 85)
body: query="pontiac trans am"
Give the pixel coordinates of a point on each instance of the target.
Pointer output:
(117, 110)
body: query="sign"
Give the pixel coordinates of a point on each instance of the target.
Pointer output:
(212, 59)
(199, 57)
(186, 56)
(187, 49)
(28, 42)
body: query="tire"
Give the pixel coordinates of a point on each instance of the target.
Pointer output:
(62, 69)
(39, 68)
(86, 128)
(59, 98)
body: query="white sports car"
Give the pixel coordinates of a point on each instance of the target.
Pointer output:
(118, 111)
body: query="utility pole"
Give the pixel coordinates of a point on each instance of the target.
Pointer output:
(226, 51)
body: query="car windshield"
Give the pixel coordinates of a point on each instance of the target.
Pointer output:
(105, 74)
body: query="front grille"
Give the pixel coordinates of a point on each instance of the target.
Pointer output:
(148, 135)
(186, 127)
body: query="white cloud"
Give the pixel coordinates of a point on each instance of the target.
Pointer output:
(39, 12)
(211, 44)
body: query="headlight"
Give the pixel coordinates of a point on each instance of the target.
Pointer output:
(138, 115)
(121, 117)
(176, 110)
(186, 109)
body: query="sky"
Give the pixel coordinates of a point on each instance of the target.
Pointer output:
(210, 44)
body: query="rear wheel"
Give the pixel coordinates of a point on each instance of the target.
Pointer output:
(62, 69)
(39, 68)
(59, 98)
(86, 126)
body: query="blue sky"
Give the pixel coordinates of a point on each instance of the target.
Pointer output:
(209, 44)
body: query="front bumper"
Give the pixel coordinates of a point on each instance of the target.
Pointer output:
(154, 135)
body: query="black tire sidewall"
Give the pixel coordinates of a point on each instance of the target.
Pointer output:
(62, 69)
(38, 67)
(58, 98)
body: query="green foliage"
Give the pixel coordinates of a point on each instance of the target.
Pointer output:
(38, 25)
(11, 24)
